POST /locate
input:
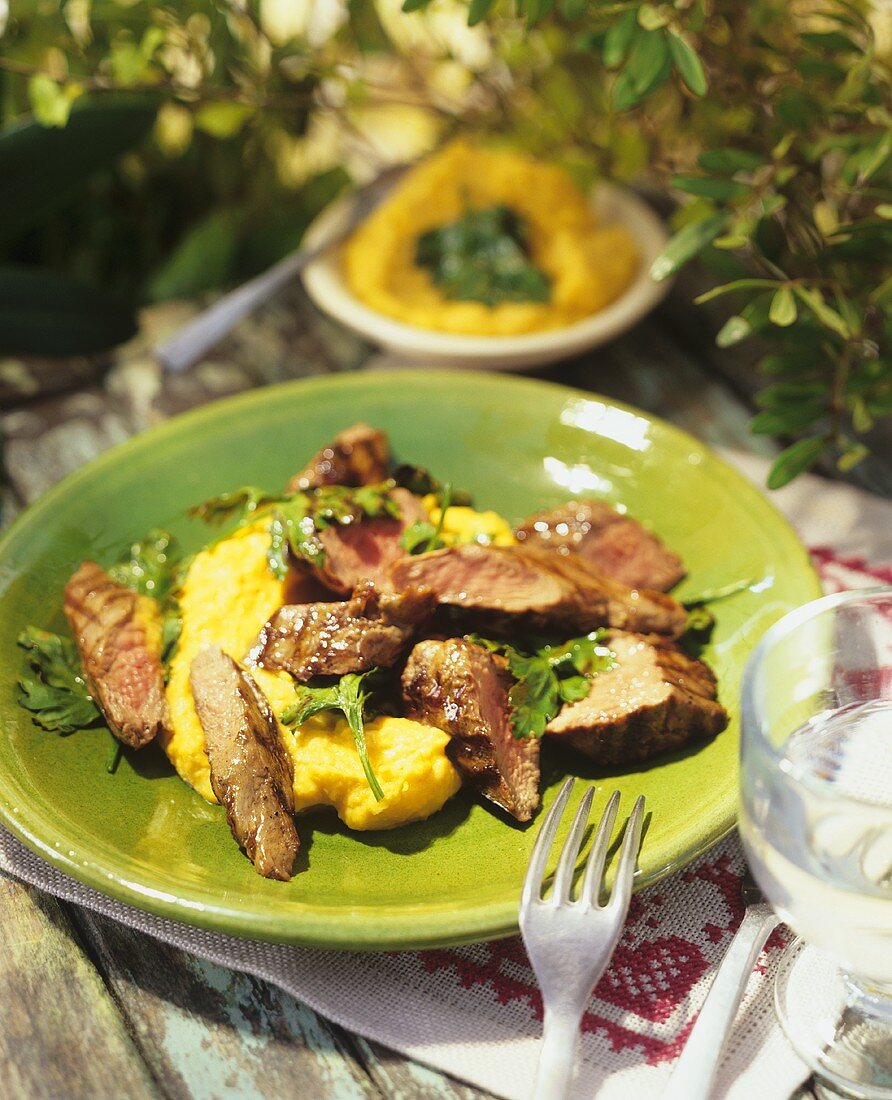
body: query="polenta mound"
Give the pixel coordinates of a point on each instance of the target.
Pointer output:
(588, 266)
(226, 597)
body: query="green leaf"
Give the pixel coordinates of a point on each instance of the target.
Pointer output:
(787, 419)
(736, 285)
(46, 314)
(795, 460)
(619, 38)
(710, 188)
(58, 698)
(712, 595)
(652, 18)
(686, 244)
(729, 161)
(239, 505)
(827, 316)
(783, 308)
(149, 566)
(41, 169)
(647, 61)
(688, 64)
(884, 210)
(478, 11)
(421, 538)
(222, 119)
(415, 5)
(349, 695)
(203, 259)
(734, 330)
(51, 101)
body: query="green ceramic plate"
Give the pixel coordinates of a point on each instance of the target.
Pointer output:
(144, 837)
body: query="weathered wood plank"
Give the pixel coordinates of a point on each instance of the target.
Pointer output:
(209, 1032)
(61, 1034)
(397, 1077)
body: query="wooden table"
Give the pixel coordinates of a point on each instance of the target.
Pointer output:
(89, 1008)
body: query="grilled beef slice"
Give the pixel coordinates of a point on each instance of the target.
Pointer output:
(356, 456)
(654, 700)
(463, 689)
(366, 550)
(616, 545)
(118, 636)
(329, 639)
(251, 773)
(507, 586)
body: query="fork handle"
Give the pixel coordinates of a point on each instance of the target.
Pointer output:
(556, 1057)
(696, 1067)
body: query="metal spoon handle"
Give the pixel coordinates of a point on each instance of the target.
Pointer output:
(696, 1067)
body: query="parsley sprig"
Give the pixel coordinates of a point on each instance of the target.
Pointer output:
(548, 676)
(57, 696)
(349, 695)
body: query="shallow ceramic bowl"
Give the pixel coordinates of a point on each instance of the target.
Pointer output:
(144, 837)
(325, 283)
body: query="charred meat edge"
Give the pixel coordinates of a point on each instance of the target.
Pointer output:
(359, 455)
(121, 662)
(655, 699)
(617, 545)
(370, 630)
(251, 772)
(463, 690)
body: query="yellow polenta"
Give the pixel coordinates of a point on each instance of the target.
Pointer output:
(463, 525)
(588, 265)
(226, 597)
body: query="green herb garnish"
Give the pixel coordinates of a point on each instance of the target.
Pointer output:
(711, 595)
(348, 695)
(422, 483)
(149, 566)
(239, 505)
(548, 677)
(483, 257)
(421, 537)
(58, 698)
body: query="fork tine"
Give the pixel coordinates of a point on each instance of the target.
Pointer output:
(563, 879)
(594, 870)
(628, 857)
(532, 884)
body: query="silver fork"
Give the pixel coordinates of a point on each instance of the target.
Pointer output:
(570, 942)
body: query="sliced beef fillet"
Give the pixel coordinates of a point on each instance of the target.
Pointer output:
(505, 587)
(367, 549)
(359, 455)
(251, 772)
(656, 699)
(329, 639)
(616, 545)
(118, 636)
(463, 689)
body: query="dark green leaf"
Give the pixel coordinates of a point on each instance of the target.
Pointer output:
(41, 169)
(710, 188)
(58, 698)
(619, 38)
(203, 260)
(795, 460)
(688, 64)
(238, 505)
(478, 11)
(415, 5)
(647, 61)
(349, 695)
(421, 483)
(149, 566)
(786, 420)
(831, 40)
(729, 161)
(686, 244)
(46, 314)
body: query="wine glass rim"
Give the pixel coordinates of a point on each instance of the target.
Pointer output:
(751, 727)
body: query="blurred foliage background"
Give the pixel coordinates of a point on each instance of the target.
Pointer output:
(151, 151)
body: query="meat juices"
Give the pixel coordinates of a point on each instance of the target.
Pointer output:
(615, 545)
(118, 636)
(463, 689)
(656, 699)
(330, 639)
(506, 587)
(251, 772)
(359, 455)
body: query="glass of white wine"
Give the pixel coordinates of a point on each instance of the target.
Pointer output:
(816, 822)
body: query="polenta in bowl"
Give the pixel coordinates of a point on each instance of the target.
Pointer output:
(488, 256)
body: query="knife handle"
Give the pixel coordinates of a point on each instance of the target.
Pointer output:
(696, 1067)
